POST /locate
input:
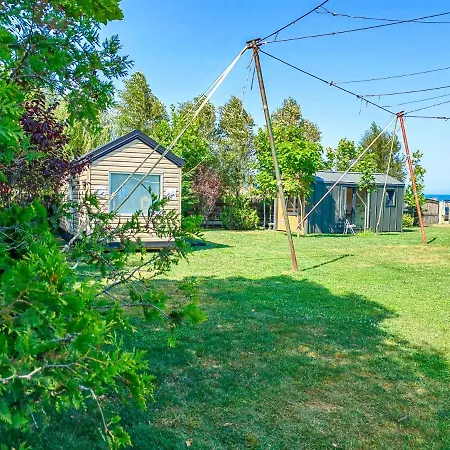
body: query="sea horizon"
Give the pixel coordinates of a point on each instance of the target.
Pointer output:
(440, 197)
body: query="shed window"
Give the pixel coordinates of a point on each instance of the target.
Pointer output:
(140, 199)
(390, 197)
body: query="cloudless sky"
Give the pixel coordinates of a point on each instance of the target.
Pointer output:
(182, 47)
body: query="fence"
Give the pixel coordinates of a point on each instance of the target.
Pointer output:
(436, 212)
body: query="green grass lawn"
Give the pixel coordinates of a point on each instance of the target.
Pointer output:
(351, 352)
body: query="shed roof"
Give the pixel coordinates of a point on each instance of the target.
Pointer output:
(135, 134)
(329, 176)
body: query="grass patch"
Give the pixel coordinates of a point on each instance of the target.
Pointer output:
(351, 352)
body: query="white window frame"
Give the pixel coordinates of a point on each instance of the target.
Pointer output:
(128, 173)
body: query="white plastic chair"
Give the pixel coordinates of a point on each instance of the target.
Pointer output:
(349, 227)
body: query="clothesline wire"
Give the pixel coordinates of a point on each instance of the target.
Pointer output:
(328, 82)
(335, 14)
(393, 76)
(353, 30)
(428, 107)
(275, 33)
(437, 88)
(416, 101)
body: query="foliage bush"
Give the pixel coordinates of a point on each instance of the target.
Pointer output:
(408, 220)
(61, 343)
(238, 214)
(62, 334)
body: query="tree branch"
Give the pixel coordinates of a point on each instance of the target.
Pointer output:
(105, 426)
(30, 375)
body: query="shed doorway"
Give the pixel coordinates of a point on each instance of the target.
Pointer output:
(354, 207)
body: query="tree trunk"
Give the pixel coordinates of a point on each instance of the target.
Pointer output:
(302, 214)
(264, 213)
(270, 214)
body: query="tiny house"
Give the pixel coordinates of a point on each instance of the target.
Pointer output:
(111, 164)
(348, 202)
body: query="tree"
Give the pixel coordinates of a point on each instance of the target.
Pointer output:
(208, 188)
(419, 174)
(82, 134)
(206, 119)
(195, 146)
(382, 149)
(61, 345)
(299, 156)
(235, 145)
(290, 114)
(344, 156)
(138, 107)
(43, 166)
(55, 45)
(298, 159)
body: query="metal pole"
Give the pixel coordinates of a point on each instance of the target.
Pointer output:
(253, 44)
(412, 176)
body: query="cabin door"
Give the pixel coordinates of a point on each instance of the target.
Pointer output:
(349, 203)
(360, 209)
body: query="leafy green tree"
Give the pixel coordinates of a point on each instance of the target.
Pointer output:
(138, 108)
(382, 149)
(61, 341)
(290, 114)
(234, 149)
(419, 174)
(299, 160)
(344, 156)
(84, 135)
(195, 146)
(55, 45)
(206, 119)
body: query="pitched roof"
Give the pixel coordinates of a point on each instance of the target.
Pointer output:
(135, 134)
(329, 176)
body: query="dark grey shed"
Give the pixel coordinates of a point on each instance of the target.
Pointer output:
(347, 202)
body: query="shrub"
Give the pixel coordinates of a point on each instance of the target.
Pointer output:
(408, 220)
(61, 340)
(238, 214)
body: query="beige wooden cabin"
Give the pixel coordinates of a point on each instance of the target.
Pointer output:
(111, 164)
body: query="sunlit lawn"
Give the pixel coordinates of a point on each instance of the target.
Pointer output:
(351, 352)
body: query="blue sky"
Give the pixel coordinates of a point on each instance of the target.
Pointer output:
(182, 47)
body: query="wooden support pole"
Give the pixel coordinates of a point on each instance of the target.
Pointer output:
(254, 45)
(412, 176)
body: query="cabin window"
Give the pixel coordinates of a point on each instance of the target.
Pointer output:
(390, 197)
(140, 199)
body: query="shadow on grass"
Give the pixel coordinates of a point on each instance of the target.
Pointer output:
(339, 258)
(207, 245)
(328, 236)
(281, 363)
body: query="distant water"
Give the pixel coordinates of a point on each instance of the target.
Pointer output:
(438, 196)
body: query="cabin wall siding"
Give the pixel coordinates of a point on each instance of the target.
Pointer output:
(79, 185)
